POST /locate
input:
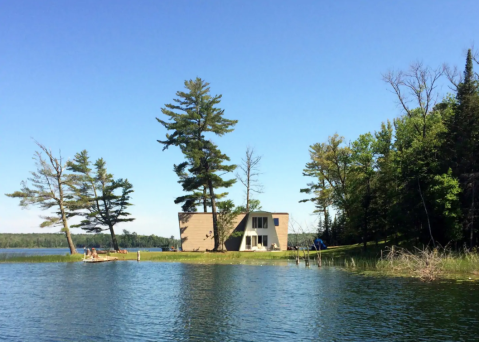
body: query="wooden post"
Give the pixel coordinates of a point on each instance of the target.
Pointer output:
(319, 257)
(138, 256)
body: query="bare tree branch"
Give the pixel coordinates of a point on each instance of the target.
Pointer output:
(249, 174)
(417, 85)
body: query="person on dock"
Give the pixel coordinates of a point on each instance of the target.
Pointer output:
(94, 254)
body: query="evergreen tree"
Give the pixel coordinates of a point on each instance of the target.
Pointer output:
(104, 198)
(193, 115)
(320, 228)
(197, 192)
(462, 142)
(51, 188)
(327, 227)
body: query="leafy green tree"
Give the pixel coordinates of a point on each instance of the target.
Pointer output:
(254, 205)
(104, 198)
(193, 115)
(227, 214)
(330, 166)
(50, 188)
(362, 175)
(385, 199)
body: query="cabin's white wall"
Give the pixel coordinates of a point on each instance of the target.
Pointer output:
(270, 231)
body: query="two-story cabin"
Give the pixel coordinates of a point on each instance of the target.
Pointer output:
(254, 231)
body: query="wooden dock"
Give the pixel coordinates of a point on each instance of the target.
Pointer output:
(105, 259)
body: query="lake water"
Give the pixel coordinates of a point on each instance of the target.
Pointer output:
(154, 301)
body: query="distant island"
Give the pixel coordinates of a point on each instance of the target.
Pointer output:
(57, 240)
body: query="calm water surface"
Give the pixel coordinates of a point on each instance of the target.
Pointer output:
(147, 301)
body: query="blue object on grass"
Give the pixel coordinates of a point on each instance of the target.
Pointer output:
(319, 244)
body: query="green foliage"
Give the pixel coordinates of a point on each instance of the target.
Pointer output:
(227, 214)
(417, 177)
(103, 199)
(50, 187)
(254, 205)
(194, 115)
(126, 240)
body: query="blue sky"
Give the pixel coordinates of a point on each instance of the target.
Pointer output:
(94, 75)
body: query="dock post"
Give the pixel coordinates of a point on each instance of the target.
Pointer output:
(138, 256)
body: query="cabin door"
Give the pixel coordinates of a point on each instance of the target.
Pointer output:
(248, 242)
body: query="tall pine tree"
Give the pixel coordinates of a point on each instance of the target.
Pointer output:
(462, 142)
(193, 115)
(104, 199)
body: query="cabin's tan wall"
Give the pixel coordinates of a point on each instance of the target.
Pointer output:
(282, 229)
(195, 230)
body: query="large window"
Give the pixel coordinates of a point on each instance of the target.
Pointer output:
(263, 240)
(260, 222)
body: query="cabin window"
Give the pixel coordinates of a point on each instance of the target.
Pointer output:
(263, 240)
(260, 222)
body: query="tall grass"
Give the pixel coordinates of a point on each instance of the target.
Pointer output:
(429, 263)
(426, 264)
(16, 257)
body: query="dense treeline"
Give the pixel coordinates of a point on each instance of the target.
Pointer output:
(126, 240)
(416, 177)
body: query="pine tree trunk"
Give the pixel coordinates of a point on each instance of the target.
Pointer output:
(215, 219)
(70, 241)
(365, 232)
(113, 238)
(471, 236)
(205, 207)
(65, 227)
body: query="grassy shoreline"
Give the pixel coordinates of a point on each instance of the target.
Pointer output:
(426, 266)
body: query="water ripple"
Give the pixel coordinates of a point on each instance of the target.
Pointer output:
(147, 301)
